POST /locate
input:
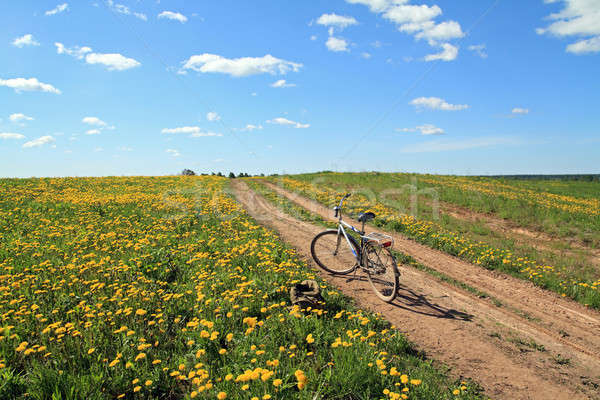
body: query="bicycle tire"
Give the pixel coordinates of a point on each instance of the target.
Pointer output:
(382, 275)
(326, 241)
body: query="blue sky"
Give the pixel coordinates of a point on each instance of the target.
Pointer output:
(147, 87)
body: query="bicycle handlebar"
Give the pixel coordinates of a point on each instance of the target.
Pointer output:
(338, 209)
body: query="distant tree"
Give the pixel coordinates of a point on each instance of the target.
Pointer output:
(262, 174)
(231, 175)
(212, 173)
(219, 173)
(188, 172)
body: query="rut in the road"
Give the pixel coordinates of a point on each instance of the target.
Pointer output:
(452, 325)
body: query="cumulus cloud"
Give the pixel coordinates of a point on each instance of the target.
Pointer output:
(251, 127)
(336, 21)
(39, 141)
(585, 46)
(578, 18)
(282, 83)
(240, 67)
(336, 44)
(94, 121)
(173, 16)
(448, 53)
(28, 85)
(92, 132)
(75, 51)
(285, 121)
(122, 9)
(213, 116)
(419, 21)
(58, 9)
(19, 117)
(520, 111)
(173, 152)
(13, 136)
(112, 61)
(435, 103)
(25, 40)
(425, 129)
(479, 49)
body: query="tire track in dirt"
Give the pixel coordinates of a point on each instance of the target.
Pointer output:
(435, 315)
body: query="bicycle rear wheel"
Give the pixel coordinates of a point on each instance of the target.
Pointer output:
(382, 271)
(331, 252)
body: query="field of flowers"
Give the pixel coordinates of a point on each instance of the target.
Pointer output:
(163, 288)
(560, 280)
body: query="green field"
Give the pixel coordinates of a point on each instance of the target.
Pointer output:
(164, 288)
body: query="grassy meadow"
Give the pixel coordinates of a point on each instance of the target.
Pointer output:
(163, 288)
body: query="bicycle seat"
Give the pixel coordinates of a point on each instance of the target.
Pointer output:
(364, 217)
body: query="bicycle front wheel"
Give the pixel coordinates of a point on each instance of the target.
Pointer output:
(382, 271)
(331, 252)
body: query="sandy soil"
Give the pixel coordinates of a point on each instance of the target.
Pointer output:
(499, 347)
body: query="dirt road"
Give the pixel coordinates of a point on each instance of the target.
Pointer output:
(550, 354)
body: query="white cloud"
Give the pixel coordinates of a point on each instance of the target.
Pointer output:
(95, 121)
(113, 62)
(28, 85)
(39, 141)
(479, 49)
(122, 9)
(213, 116)
(365, 55)
(194, 131)
(124, 148)
(16, 136)
(435, 103)
(336, 44)
(419, 20)
(92, 132)
(578, 18)
(75, 51)
(585, 46)
(425, 129)
(18, 117)
(173, 152)
(58, 9)
(251, 127)
(336, 21)
(520, 111)
(285, 121)
(183, 129)
(25, 40)
(98, 149)
(173, 16)
(440, 32)
(282, 84)
(448, 53)
(313, 37)
(447, 145)
(240, 67)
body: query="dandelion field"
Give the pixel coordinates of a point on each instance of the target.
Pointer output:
(164, 288)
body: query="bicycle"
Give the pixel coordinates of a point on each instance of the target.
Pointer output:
(372, 255)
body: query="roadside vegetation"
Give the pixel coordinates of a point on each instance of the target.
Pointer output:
(164, 288)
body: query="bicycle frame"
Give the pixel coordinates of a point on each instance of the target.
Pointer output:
(342, 231)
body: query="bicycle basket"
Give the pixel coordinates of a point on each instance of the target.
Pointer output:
(380, 239)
